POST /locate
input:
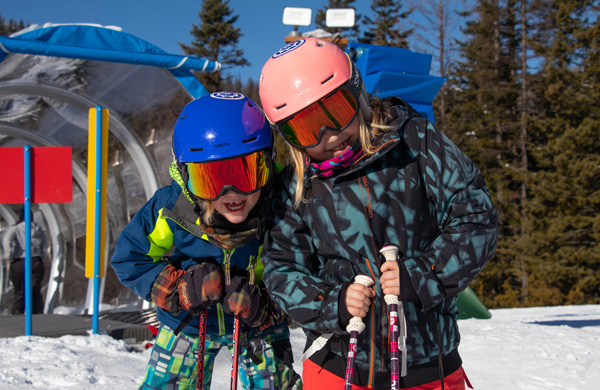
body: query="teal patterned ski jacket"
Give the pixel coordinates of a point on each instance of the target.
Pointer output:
(418, 191)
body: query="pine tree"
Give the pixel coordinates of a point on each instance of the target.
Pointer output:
(484, 119)
(12, 26)
(216, 39)
(442, 17)
(564, 210)
(321, 15)
(533, 133)
(386, 28)
(250, 89)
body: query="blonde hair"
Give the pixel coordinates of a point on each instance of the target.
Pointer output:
(370, 139)
(207, 210)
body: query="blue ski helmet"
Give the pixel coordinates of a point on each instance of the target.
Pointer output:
(220, 126)
(223, 142)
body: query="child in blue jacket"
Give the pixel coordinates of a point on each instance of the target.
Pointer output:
(194, 250)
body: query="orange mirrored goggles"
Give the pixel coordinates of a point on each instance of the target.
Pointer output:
(333, 112)
(244, 175)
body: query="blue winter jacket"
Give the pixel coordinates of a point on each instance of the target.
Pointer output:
(167, 221)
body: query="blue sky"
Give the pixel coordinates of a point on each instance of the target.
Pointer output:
(164, 23)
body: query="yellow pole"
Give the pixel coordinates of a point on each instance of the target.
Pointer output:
(93, 189)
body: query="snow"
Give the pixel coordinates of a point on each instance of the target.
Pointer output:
(523, 349)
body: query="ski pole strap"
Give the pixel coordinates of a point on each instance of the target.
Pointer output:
(186, 320)
(245, 344)
(402, 319)
(316, 345)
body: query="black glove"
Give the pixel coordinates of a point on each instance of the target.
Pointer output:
(251, 303)
(200, 287)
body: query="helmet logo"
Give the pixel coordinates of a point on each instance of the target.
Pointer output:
(227, 95)
(221, 145)
(289, 47)
(299, 94)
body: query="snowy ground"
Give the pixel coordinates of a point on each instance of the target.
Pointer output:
(518, 349)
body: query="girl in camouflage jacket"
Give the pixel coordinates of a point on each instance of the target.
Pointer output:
(365, 174)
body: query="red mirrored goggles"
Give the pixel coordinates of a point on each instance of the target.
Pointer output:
(333, 112)
(244, 175)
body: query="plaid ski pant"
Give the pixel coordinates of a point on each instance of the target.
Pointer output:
(173, 361)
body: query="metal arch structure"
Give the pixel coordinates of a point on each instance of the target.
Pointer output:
(89, 46)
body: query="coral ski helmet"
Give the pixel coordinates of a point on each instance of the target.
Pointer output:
(223, 141)
(308, 86)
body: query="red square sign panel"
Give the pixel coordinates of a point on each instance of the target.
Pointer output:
(51, 175)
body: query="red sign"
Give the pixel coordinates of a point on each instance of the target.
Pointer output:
(51, 175)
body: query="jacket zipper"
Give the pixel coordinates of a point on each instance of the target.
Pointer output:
(227, 265)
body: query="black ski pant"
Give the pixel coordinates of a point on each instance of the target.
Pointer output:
(17, 277)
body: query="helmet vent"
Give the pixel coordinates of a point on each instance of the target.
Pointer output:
(195, 149)
(280, 107)
(327, 79)
(249, 140)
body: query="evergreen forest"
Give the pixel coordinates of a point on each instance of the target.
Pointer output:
(521, 99)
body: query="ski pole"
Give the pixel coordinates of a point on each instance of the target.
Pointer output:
(236, 327)
(355, 327)
(397, 317)
(236, 349)
(201, 341)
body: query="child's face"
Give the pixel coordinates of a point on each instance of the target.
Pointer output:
(334, 143)
(236, 207)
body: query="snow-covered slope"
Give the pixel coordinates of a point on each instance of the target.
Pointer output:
(518, 349)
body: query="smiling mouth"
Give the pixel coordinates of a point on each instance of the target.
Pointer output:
(235, 206)
(341, 146)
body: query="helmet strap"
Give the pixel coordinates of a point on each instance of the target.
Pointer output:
(363, 96)
(365, 107)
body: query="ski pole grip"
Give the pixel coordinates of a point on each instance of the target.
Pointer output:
(364, 280)
(390, 252)
(356, 323)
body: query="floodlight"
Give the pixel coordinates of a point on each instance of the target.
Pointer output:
(339, 17)
(294, 16)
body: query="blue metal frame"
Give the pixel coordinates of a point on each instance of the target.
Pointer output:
(99, 43)
(27, 209)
